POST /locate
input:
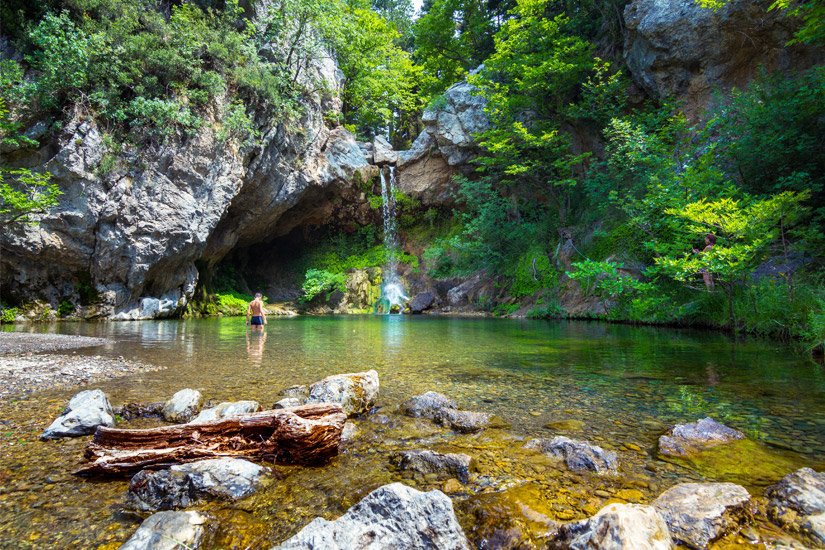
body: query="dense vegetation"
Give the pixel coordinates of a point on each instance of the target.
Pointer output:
(636, 214)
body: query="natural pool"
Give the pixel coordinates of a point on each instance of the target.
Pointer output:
(625, 385)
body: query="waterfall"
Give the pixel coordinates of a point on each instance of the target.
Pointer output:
(392, 291)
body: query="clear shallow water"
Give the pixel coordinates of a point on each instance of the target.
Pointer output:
(626, 384)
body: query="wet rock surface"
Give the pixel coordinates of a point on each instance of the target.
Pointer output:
(182, 406)
(189, 484)
(427, 405)
(797, 502)
(392, 516)
(130, 411)
(426, 461)
(577, 455)
(231, 408)
(287, 402)
(698, 513)
(170, 531)
(616, 527)
(85, 412)
(356, 392)
(467, 421)
(684, 440)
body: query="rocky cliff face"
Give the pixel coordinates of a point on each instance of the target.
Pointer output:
(135, 235)
(445, 146)
(676, 49)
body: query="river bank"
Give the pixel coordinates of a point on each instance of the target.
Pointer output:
(26, 364)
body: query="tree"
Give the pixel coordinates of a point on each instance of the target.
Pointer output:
(745, 228)
(536, 73)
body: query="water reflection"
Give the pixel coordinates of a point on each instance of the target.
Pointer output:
(255, 346)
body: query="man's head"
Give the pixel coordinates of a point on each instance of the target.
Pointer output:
(258, 295)
(710, 238)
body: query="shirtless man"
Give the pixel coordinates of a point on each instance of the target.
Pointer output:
(707, 276)
(257, 311)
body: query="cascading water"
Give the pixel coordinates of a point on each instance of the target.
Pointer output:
(392, 291)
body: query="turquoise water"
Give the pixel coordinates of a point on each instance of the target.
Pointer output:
(625, 384)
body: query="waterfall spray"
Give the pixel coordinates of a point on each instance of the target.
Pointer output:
(392, 291)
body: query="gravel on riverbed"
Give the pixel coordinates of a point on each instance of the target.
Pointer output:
(21, 371)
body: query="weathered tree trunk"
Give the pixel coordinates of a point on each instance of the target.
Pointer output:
(304, 435)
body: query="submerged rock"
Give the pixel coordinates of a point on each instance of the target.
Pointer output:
(570, 425)
(297, 392)
(577, 455)
(688, 439)
(426, 405)
(356, 392)
(187, 484)
(140, 410)
(616, 527)
(232, 408)
(182, 406)
(170, 531)
(85, 412)
(797, 502)
(468, 421)
(392, 516)
(698, 513)
(430, 462)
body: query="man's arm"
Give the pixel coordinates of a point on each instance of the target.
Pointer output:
(248, 311)
(263, 311)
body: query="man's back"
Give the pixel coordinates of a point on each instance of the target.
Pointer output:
(256, 307)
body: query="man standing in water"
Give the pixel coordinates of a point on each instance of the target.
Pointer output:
(257, 311)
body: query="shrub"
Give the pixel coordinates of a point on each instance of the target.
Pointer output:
(319, 281)
(8, 315)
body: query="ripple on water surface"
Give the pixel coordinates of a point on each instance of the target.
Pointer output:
(618, 386)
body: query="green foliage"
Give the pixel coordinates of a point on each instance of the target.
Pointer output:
(232, 302)
(318, 281)
(23, 194)
(8, 315)
(65, 308)
(238, 124)
(604, 280)
(551, 310)
(811, 12)
(533, 272)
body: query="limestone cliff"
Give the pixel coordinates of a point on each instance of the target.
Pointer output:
(134, 235)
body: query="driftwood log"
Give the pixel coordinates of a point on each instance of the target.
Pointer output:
(305, 435)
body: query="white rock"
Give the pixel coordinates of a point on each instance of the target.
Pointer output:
(169, 531)
(393, 516)
(182, 406)
(798, 503)
(85, 412)
(697, 513)
(355, 392)
(232, 408)
(617, 527)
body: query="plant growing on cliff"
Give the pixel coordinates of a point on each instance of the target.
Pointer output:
(23, 194)
(318, 281)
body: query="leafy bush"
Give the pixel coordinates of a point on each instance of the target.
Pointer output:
(319, 281)
(232, 302)
(65, 308)
(604, 280)
(8, 315)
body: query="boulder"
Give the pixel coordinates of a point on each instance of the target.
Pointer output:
(456, 121)
(287, 402)
(85, 412)
(392, 516)
(687, 439)
(430, 462)
(698, 513)
(577, 455)
(356, 392)
(382, 151)
(170, 531)
(426, 405)
(797, 503)
(468, 421)
(232, 408)
(184, 485)
(421, 302)
(182, 406)
(616, 527)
